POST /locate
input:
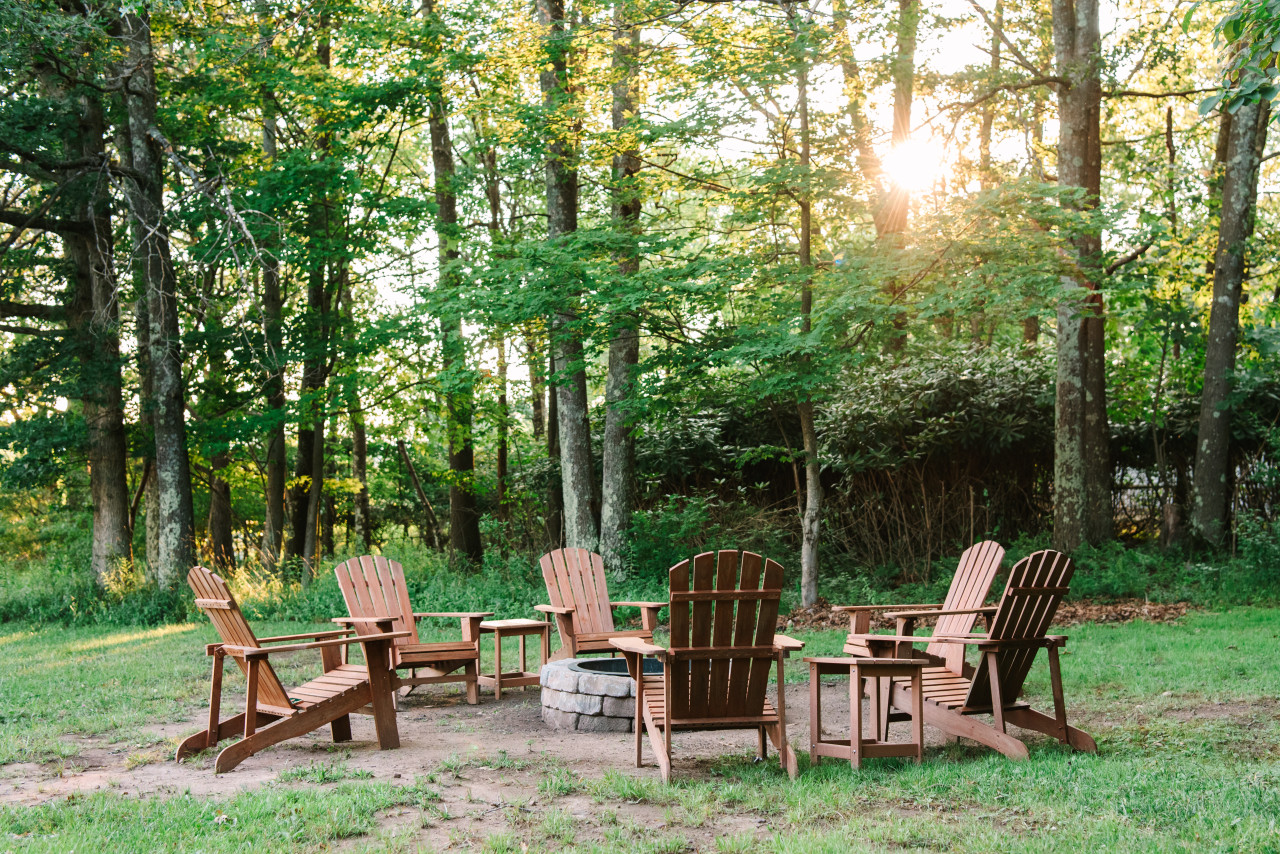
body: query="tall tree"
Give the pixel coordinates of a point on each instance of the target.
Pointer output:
(93, 320)
(1245, 143)
(811, 516)
(154, 270)
(273, 357)
(1082, 461)
(577, 477)
(464, 516)
(618, 444)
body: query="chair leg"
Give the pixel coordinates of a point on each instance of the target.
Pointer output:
(251, 697)
(1059, 701)
(472, 671)
(997, 701)
(815, 713)
(787, 756)
(200, 741)
(298, 724)
(764, 744)
(340, 729)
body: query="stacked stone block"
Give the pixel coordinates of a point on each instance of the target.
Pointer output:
(586, 702)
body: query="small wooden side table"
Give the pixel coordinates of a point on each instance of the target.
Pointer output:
(858, 746)
(521, 629)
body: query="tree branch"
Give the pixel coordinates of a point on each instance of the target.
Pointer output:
(1138, 93)
(30, 311)
(25, 220)
(999, 31)
(1130, 257)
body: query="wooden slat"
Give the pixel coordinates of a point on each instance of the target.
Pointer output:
(722, 630)
(744, 628)
(679, 578)
(552, 581)
(578, 563)
(222, 604)
(766, 624)
(602, 593)
(704, 568)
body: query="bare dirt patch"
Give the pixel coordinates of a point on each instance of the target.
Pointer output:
(436, 729)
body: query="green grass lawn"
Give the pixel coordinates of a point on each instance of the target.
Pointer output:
(1186, 717)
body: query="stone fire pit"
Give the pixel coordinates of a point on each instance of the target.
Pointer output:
(590, 694)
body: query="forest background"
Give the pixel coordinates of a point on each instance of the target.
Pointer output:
(852, 284)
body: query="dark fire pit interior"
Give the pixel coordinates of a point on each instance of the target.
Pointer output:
(616, 666)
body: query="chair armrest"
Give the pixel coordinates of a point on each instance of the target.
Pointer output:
(884, 607)
(984, 642)
(465, 615)
(986, 609)
(332, 633)
(787, 644)
(869, 639)
(250, 652)
(552, 609)
(638, 604)
(638, 647)
(850, 660)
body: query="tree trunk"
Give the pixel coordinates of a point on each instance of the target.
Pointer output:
(146, 423)
(360, 471)
(221, 547)
(811, 518)
(618, 463)
(464, 515)
(537, 385)
(577, 476)
(328, 504)
(277, 461)
(891, 218)
(154, 267)
(855, 100)
(504, 424)
(432, 523)
(554, 519)
(1248, 133)
(94, 322)
(1082, 464)
(315, 493)
(986, 175)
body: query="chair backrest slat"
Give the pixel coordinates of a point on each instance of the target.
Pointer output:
(575, 579)
(969, 587)
(373, 586)
(234, 629)
(722, 645)
(1036, 587)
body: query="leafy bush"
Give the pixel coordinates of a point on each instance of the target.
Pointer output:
(680, 527)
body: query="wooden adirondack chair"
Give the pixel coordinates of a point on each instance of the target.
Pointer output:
(580, 603)
(956, 615)
(343, 689)
(1036, 585)
(723, 616)
(375, 591)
